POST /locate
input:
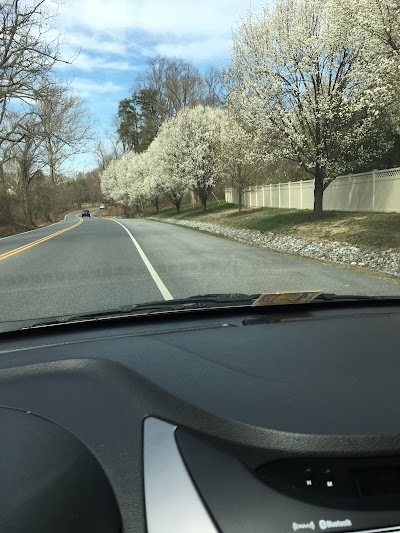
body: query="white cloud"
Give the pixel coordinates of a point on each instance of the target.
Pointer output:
(211, 49)
(120, 26)
(177, 17)
(86, 88)
(89, 63)
(96, 43)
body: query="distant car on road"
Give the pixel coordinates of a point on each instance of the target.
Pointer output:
(102, 206)
(85, 213)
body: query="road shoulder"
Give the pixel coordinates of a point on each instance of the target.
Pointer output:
(358, 259)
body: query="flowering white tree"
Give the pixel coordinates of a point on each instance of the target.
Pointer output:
(296, 77)
(151, 191)
(240, 156)
(166, 173)
(124, 180)
(109, 181)
(378, 24)
(186, 154)
(379, 20)
(200, 132)
(133, 178)
(196, 150)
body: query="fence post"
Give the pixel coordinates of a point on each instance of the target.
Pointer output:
(279, 195)
(301, 194)
(270, 195)
(289, 193)
(373, 189)
(256, 191)
(350, 191)
(263, 195)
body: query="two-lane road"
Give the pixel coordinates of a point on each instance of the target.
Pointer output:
(93, 264)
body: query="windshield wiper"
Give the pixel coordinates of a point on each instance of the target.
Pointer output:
(330, 297)
(203, 301)
(196, 302)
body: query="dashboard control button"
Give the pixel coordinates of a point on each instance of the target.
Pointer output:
(309, 478)
(328, 479)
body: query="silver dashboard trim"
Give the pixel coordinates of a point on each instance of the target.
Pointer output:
(171, 500)
(393, 529)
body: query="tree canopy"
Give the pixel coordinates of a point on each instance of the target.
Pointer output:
(311, 85)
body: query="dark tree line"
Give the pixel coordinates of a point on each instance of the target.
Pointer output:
(166, 86)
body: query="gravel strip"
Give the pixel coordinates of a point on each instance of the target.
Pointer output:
(344, 254)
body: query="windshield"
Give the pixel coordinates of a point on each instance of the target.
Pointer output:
(154, 151)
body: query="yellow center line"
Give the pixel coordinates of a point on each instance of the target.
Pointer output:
(34, 243)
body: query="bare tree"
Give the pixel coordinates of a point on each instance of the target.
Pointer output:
(183, 86)
(27, 54)
(106, 152)
(5, 204)
(214, 87)
(29, 161)
(66, 128)
(178, 84)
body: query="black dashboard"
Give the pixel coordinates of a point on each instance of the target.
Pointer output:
(275, 419)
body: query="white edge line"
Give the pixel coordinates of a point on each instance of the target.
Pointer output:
(37, 229)
(157, 280)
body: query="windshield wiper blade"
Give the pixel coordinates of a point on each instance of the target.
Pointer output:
(196, 302)
(330, 297)
(223, 297)
(204, 301)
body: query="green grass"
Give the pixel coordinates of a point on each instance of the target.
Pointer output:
(188, 213)
(371, 230)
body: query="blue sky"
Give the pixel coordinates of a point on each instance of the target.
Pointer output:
(115, 38)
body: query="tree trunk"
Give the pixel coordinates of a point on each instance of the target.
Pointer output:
(240, 197)
(203, 196)
(156, 204)
(3, 185)
(178, 207)
(5, 207)
(202, 192)
(24, 169)
(318, 190)
(52, 173)
(28, 204)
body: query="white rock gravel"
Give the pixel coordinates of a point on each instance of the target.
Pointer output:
(344, 254)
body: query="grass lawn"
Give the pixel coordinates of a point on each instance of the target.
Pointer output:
(372, 230)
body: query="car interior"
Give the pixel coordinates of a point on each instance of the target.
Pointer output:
(232, 419)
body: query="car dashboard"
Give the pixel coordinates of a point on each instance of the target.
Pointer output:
(276, 419)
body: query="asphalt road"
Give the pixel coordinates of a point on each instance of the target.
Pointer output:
(92, 264)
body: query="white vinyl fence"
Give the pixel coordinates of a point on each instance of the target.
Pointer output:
(378, 190)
